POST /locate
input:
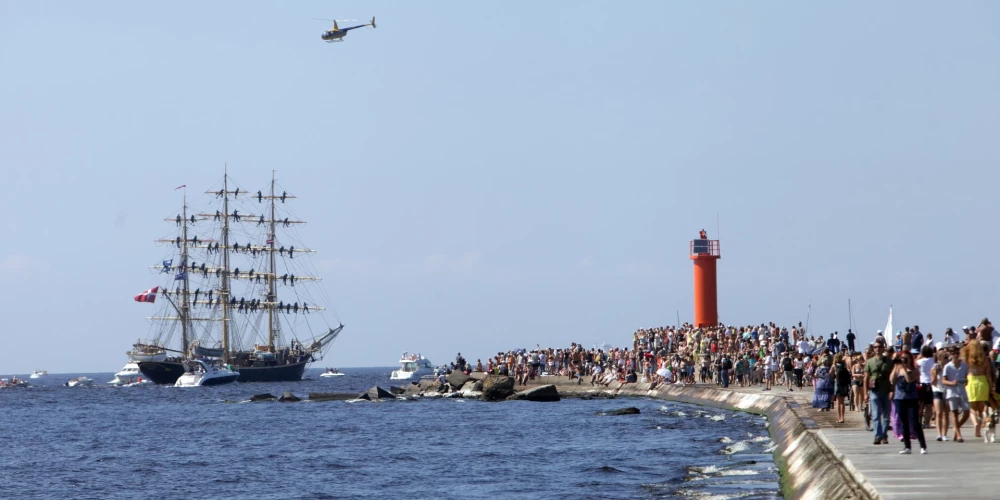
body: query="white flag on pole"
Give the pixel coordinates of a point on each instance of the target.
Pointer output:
(888, 329)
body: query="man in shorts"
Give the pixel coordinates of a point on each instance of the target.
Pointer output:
(955, 375)
(787, 370)
(768, 372)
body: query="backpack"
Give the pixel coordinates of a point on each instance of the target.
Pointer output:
(787, 364)
(843, 375)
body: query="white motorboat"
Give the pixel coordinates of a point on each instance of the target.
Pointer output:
(332, 372)
(39, 373)
(129, 375)
(197, 373)
(412, 367)
(80, 382)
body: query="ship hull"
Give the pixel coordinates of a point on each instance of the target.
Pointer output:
(162, 372)
(291, 372)
(167, 372)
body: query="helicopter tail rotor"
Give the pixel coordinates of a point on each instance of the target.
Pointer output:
(373, 22)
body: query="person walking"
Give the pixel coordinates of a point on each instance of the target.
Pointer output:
(823, 382)
(877, 382)
(940, 405)
(842, 385)
(906, 375)
(955, 374)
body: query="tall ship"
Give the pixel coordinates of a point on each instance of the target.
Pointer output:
(240, 288)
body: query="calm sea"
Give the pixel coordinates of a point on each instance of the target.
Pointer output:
(165, 442)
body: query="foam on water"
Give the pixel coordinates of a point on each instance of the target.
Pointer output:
(737, 447)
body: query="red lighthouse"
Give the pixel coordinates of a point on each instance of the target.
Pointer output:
(705, 253)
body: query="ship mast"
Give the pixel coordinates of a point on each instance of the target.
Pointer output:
(224, 291)
(185, 304)
(272, 295)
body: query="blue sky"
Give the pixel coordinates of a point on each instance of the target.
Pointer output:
(482, 176)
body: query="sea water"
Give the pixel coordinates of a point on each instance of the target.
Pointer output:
(165, 442)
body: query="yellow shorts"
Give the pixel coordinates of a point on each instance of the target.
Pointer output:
(978, 389)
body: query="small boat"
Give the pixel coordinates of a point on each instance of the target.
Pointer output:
(197, 373)
(80, 381)
(39, 373)
(147, 350)
(129, 375)
(332, 372)
(206, 352)
(412, 367)
(13, 382)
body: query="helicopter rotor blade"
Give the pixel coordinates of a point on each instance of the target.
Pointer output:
(337, 20)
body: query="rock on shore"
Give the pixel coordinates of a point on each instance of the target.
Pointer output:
(457, 379)
(545, 393)
(376, 394)
(621, 411)
(497, 387)
(288, 397)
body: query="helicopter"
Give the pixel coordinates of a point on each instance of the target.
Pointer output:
(337, 34)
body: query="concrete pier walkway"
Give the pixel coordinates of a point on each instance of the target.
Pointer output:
(949, 470)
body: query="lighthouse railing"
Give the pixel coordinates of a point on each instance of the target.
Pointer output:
(705, 247)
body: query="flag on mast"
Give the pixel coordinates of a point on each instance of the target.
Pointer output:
(148, 295)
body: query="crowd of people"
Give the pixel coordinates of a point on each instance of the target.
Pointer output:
(907, 384)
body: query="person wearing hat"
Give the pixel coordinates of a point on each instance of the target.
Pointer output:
(877, 370)
(950, 336)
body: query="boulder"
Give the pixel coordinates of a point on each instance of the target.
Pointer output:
(288, 397)
(622, 411)
(429, 384)
(457, 379)
(497, 387)
(263, 397)
(542, 393)
(478, 385)
(396, 390)
(331, 396)
(413, 389)
(376, 393)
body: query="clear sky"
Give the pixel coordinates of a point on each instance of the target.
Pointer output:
(479, 176)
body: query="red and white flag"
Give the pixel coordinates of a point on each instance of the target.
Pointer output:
(148, 295)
